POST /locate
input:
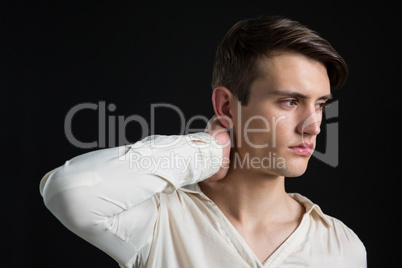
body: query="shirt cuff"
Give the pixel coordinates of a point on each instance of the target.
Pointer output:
(210, 151)
(197, 157)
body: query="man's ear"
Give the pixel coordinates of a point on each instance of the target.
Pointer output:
(221, 99)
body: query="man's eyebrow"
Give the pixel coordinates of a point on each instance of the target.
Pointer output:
(295, 94)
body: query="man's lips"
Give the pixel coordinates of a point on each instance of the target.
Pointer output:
(305, 148)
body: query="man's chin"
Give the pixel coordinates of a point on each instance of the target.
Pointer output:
(272, 163)
(293, 173)
(289, 171)
(293, 169)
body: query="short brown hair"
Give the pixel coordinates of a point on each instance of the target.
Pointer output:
(236, 62)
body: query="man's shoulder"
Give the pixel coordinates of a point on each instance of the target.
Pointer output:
(342, 240)
(343, 232)
(331, 236)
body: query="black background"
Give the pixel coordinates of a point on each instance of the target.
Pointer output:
(57, 54)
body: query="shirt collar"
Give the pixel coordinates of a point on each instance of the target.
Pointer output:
(310, 206)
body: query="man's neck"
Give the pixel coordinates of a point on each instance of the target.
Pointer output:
(252, 199)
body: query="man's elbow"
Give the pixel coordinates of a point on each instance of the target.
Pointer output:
(69, 198)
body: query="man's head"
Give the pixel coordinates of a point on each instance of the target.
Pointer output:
(271, 78)
(238, 57)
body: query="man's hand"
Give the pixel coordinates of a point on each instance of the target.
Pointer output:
(221, 134)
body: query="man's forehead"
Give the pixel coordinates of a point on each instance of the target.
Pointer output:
(296, 94)
(292, 74)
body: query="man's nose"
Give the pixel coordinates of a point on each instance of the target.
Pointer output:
(310, 123)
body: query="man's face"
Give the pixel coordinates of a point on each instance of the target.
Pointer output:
(276, 132)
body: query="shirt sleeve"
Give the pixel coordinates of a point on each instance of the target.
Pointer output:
(110, 197)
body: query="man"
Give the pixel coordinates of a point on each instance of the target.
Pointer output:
(217, 199)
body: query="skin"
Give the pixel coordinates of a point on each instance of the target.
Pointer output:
(285, 105)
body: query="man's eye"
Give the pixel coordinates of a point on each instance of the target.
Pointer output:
(322, 105)
(290, 102)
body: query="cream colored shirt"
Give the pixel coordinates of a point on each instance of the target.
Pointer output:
(141, 204)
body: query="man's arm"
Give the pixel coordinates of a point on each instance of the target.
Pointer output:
(110, 197)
